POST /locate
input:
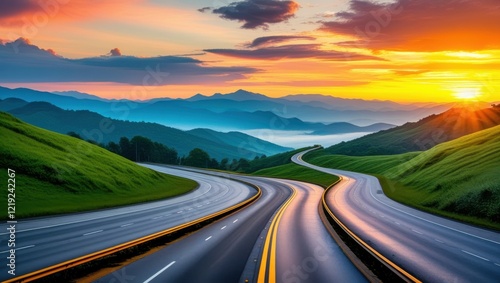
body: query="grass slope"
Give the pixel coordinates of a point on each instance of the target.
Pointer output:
(458, 179)
(59, 174)
(422, 135)
(299, 173)
(273, 161)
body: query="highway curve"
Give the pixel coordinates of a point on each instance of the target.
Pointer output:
(233, 249)
(45, 241)
(431, 248)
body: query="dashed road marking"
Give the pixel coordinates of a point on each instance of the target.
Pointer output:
(475, 255)
(223, 228)
(94, 232)
(22, 248)
(418, 232)
(208, 238)
(235, 221)
(439, 241)
(125, 225)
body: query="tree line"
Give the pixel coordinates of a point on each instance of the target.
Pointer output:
(142, 149)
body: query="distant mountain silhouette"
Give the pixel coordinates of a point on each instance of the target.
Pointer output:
(79, 95)
(90, 125)
(240, 110)
(11, 103)
(422, 135)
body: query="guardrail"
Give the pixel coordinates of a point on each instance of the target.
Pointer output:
(400, 272)
(109, 251)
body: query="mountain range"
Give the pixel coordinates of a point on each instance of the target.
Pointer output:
(241, 110)
(93, 126)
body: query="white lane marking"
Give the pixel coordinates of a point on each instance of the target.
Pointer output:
(439, 241)
(475, 255)
(199, 205)
(190, 209)
(223, 228)
(157, 217)
(418, 232)
(22, 248)
(158, 273)
(235, 221)
(208, 238)
(497, 264)
(90, 233)
(125, 225)
(432, 222)
(397, 223)
(179, 211)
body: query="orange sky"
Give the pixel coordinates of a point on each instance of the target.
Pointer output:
(404, 50)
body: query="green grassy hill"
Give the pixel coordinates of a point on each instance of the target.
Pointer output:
(272, 161)
(421, 135)
(299, 173)
(87, 123)
(58, 174)
(459, 178)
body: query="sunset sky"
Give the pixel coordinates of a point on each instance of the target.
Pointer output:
(403, 50)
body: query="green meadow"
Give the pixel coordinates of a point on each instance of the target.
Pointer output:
(60, 174)
(299, 173)
(459, 179)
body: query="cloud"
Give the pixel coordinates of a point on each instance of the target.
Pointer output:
(268, 40)
(23, 62)
(410, 72)
(115, 52)
(258, 13)
(12, 8)
(296, 51)
(423, 25)
(40, 12)
(204, 9)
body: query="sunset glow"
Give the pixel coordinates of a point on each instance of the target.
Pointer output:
(467, 93)
(391, 50)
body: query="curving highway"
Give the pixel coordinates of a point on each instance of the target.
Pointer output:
(279, 238)
(42, 242)
(431, 248)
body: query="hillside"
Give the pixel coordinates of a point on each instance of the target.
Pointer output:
(240, 140)
(58, 174)
(90, 125)
(421, 135)
(458, 178)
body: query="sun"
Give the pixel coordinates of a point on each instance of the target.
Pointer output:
(467, 93)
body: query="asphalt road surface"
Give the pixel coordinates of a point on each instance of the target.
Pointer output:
(233, 249)
(45, 241)
(431, 248)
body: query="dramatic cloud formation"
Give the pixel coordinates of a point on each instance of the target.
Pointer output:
(12, 8)
(292, 52)
(423, 25)
(257, 13)
(40, 12)
(268, 40)
(115, 52)
(24, 62)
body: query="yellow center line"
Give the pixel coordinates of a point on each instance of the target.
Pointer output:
(270, 244)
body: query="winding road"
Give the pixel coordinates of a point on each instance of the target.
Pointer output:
(431, 248)
(283, 227)
(45, 241)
